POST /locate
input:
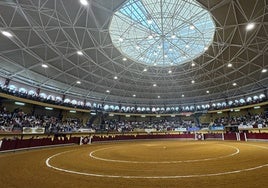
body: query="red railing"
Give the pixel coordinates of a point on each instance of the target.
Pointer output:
(16, 144)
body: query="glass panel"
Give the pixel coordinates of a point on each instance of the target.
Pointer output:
(262, 96)
(31, 92)
(12, 87)
(22, 90)
(249, 99)
(106, 107)
(74, 102)
(51, 97)
(43, 95)
(58, 98)
(242, 101)
(162, 33)
(255, 97)
(67, 100)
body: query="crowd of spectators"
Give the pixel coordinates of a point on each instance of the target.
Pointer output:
(250, 120)
(157, 125)
(15, 121)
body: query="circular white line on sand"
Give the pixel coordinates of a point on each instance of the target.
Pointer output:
(91, 154)
(147, 177)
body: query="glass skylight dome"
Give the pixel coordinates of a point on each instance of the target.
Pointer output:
(162, 32)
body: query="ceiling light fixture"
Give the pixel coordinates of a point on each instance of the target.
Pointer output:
(7, 34)
(79, 53)
(250, 26)
(192, 27)
(48, 108)
(20, 103)
(264, 70)
(78, 82)
(84, 2)
(44, 66)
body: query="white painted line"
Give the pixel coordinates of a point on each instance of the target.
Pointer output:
(152, 177)
(91, 154)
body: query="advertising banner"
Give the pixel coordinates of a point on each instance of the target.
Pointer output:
(193, 129)
(150, 130)
(181, 129)
(245, 127)
(33, 130)
(86, 130)
(216, 128)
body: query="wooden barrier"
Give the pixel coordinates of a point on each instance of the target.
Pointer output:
(28, 143)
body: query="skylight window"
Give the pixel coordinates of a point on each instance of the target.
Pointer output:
(183, 29)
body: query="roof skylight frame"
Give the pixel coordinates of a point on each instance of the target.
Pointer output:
(131, 23)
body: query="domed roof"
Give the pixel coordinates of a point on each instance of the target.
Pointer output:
(102, 50)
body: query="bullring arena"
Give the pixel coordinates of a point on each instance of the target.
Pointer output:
(133, 93)
(140, 163)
